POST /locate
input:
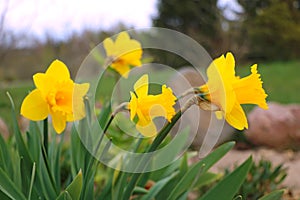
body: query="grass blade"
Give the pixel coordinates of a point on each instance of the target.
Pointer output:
(32, 180)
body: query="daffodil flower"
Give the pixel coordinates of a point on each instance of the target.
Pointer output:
(228, 91)
(146, 107)
(56, 95)
(124, 53)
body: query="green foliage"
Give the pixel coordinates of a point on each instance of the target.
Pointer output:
(30, 170)
(18, 91)
(275, 195)
(227, 187)
(273, 28)
(200, 20)
(188, 16)
(73, 190)
(261, 179)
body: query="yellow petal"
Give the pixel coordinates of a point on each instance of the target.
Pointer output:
(58, 121)
(167, 100)
(108, 46)
(141, 86)
(125, 53)
(43, 82)
(34, 107)
(230, 65)
(148, 131)
(122, 38)
(237, 117)
(132, 105)
(221, 74)
(121, 68)
(58, 70)
(80, 90)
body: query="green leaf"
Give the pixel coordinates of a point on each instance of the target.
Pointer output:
(184, 165)
(106, 191)
(5, 159)
(73, 190)
(4, 196)
(228, 187)
(32, 180)
(140, 190)
(9, 188)
(54, 156)
(166, 171)
(44, 181)
(34, 141)
(207, 178)
(120, 180)
(158, 187)
(170, 154)
(27, 163)
(199, 168)
(65, 196)
(104, 114)
(275, 195)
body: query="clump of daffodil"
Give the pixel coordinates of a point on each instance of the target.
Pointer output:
(56, 95)
(123, 54)
(146, 107)
(228, 91)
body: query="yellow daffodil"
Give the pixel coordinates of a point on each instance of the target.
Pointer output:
(56, 95)
(124, 53)
(228, 91)
(146, 107)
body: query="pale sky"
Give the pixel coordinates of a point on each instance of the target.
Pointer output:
(60, 18)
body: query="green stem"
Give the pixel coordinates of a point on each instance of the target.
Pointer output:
(157, 141)
(46, 135)
(104, 132)
(121, 107)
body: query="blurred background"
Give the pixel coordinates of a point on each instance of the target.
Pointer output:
(34, 32)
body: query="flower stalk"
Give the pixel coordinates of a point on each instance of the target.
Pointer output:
(121, 107)
(45, 132)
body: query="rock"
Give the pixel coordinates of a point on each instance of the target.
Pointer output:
(289, 159)
(3, 129)
(278, 127)
(200, 122)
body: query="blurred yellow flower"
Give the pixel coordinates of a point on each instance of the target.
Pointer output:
(228, 91)
(146, 107)
(55, 94)
(124, 53)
